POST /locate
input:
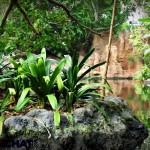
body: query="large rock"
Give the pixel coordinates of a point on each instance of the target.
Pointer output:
(112, 127)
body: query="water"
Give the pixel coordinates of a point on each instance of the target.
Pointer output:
(138, 97)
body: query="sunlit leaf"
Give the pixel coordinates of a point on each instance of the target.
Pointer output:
(56, 118)
(53, 101)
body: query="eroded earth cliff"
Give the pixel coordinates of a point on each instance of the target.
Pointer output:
(123, 61)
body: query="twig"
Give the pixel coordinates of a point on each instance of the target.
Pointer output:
(40, 122)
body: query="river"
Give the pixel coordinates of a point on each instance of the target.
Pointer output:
(137, 96)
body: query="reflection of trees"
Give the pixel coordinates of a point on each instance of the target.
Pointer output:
(136, 94)
(143, 91)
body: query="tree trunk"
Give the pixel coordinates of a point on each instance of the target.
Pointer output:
(108, 48)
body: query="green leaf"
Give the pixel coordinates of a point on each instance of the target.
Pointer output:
(43, 53)
(25, 65)
(30, 58)
(91, 68)
(12, 91)
(70, 100)
(53, 101)
(60, 83)
(22, 100)
(1, 124)
(57, 70)
(101, 109)
(47, 79)
(14, 62)
(34, 69)
(85, 58)
(19, 106)
(5, 99)
(21, 70)
(47, 67)
(56, 118)
(70, 118)
(68, 60)
(145, 20)
(86, 87)
(74, 59)
(75, 72)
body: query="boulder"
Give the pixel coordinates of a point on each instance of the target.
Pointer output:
(111, 125)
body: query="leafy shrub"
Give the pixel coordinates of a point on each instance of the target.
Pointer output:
(62, 87)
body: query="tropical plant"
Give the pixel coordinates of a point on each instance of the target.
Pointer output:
(73, 86)
(38, 71)
(6, 101)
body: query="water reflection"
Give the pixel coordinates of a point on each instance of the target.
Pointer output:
(137, 94)
(138, 97)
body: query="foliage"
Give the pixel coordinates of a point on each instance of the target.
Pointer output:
(142, 90)
(139, 39)
(22, 100)
(62, 86)
(143, 74)
(6, 101)
(143, 116)
(37, 70)
(57, 33)
(74, 87)
(53, 101)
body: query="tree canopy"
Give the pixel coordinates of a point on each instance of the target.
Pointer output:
(60, 26)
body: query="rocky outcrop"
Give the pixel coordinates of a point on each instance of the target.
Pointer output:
(122, 63)
(116, 128)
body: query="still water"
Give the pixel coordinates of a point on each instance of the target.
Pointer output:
(137, 96)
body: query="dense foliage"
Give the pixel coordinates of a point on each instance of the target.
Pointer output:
(39, 83)
(140, 38)
(58, 33)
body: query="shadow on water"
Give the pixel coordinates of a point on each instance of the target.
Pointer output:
(138, 97)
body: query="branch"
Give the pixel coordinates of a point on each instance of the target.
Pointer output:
(9, 8)
(70, 16)
(25, 16)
